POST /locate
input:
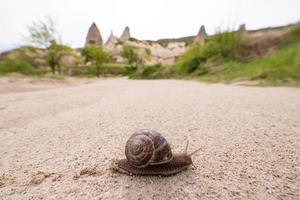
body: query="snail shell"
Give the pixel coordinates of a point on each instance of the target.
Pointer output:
(147, 147)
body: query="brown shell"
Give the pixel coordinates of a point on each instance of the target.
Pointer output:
(147, 147)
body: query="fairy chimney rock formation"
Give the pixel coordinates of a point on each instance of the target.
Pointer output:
(200, 37)
(126, 34)
(93, 36)
(242, 28)
(242, 31)
(111, 39)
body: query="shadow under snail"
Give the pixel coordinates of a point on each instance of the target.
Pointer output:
(148, 153)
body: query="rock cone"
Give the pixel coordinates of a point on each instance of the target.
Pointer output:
(126, 34)
(200, 37)
(93, 36)
(242, 28)
(111, 39)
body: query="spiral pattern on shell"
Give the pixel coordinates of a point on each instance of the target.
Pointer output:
(147, 147)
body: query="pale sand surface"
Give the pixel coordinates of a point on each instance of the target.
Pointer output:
(59, 143)
(20, 83)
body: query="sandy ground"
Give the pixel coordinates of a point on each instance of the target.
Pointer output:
(20, 83)
(59, 143)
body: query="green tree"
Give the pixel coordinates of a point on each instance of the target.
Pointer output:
(42, 32)
(54, 55)
(131, 55)
(96, 55)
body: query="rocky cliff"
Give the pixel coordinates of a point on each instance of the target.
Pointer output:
(93, 36)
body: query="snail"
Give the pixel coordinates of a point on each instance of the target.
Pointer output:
(148, 153)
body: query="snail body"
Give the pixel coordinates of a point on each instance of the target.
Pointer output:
(148, 153)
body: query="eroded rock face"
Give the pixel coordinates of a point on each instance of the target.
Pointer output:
(125, 35)
(93, 36)
(200, 37)
(242, 28)
(112, 40)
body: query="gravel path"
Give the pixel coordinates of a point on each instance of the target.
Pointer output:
(59, 143)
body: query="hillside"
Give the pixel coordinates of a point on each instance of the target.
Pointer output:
(166, 51)
(268, 56)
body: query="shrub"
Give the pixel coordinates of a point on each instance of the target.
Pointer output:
(21, 60)
(131, 55)
(90, 71)
(132, 39)
(96, 55)
(152, 72)
(221, 46)
(148, 51)
(279, 67)
(294, 34)
(22, 67)
(55, 55)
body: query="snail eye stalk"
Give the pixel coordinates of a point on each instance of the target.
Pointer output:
(186, 147)
(194, 152)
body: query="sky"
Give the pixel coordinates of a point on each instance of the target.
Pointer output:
(147, 20)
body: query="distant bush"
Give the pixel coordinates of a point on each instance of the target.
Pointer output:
(22, 67)
(21, 60)
(132, 39)
(148, 51)
(131, 55)
(91, 71)
(156, 71)
(294, 34)
(129, 71)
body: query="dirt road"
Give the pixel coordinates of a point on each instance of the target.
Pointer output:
(59, 143)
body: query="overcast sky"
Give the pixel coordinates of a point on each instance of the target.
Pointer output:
(151, 19)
